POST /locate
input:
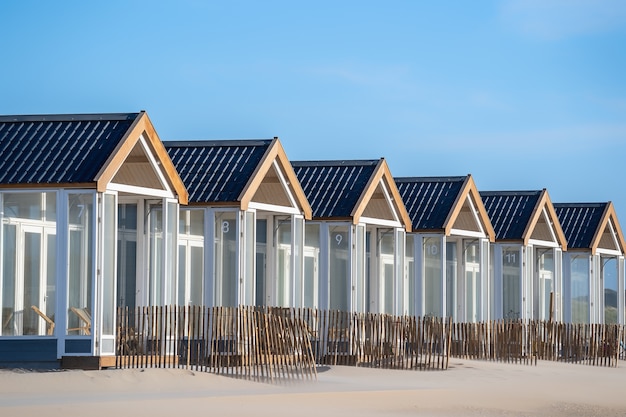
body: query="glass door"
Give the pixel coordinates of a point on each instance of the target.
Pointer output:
(544, 284)
(127, 255)
(386, 271)
(472, 281)
(36, 268)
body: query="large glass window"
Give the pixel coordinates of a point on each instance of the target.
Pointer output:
(226, 259)
(249, 279)
(339, 257)
(311, 265)
(609, 277)
(261, 257)
(580, 287)
(433, 300)
(452, 267)
(511, 283)
(171, 253)
(387, 267)
(127, 255)
(283, 281)
(80, 263)
(400, 282)
(409, 268)
(298, 259)
(155, 253)
(545, 284)
(472, 280)
(191, 257)
(29, 263)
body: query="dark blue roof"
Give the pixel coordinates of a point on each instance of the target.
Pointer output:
(216, 171)
(58, 149)
(510, 211)
(333, 188)
(579, 222)
(429, 200)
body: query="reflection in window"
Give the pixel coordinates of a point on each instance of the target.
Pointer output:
(29, 264)
(432, 277)
(339, 272)
(311, 261)
(79, 291)
(387, 270)
(609, 277)
(579, 296)
(283, 283)
(511, 283)
(545, 259)
(191, 257)
(410, 274)
(225, 259)
(472, 280)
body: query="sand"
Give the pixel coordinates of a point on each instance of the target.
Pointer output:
(468, 388)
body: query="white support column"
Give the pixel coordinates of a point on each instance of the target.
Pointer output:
(620, 291)
(62, 275)
(419, 273)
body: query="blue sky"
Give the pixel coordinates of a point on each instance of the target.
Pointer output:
(521, 94)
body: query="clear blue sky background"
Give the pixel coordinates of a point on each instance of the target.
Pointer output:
(521, 94)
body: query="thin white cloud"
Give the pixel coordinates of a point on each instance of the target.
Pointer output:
(560, 19)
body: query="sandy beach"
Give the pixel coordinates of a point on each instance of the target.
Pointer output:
(467, 388)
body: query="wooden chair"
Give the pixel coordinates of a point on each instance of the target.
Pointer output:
(7, 316)
(48, 320)
(84, 316)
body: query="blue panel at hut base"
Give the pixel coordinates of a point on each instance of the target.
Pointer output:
(29, 353)
(78, 346)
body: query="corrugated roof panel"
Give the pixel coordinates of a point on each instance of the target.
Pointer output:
(429, 200)
(333, 188)
(58, 149)
(579, 222)
(510, 211)
(216, 171)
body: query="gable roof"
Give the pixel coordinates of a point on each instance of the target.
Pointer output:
(521, 216)
(445, 203)
(591, 226)
(351, 190)
(80, 150)
(237, 172)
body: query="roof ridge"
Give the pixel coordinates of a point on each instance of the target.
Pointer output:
(67, 117)
(215, 142)
(430, 179)
(338, 162)
(511, 193)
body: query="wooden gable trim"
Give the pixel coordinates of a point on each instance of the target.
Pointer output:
(609, 215)
(276, 152)
(141, 126)
(382, 172)
(469, 190)
(545, 202)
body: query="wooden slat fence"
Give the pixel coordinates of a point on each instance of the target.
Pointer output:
(527, 342)
(268, 343)
(375, 340)
(243, 342)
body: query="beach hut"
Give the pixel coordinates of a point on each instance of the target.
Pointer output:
(527, 255)
(354, 245)
(593, 266)
(89, 215)
(447, 253)
(241, 236)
